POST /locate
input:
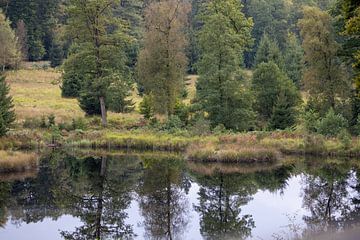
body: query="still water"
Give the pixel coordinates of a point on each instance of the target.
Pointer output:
(160, 196)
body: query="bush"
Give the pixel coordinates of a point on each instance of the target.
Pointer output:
(32, 123)
(311, 120)
(182, 111)
(146, 108)
(173, 123)
(332, 124)
(200, 126)
(314, 144)
(219, 129)
(79, 123)
(51, 120)
(345, 138)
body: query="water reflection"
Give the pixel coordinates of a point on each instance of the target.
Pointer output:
(331, 194)
(100, 191)
(162, 200)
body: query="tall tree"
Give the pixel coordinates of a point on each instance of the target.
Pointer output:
(293, 58)
(21, 34)
(101, 41)
(221, 91)
(324, 76)
(9, 53)
(7, 114)
(162, 61)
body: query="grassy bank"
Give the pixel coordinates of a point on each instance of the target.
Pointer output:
(17, 161)
(37, 96)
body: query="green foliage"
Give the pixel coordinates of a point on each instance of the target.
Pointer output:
(294, 60)
(199, 125)
(268, 82)
(270, 17)
(39, 17)
(100, 54)
(162, 60)
(9, 52)
(311, 119)
(182, 111)
(146, 107)
(268, 51)
(56, 55)
(117, 96)
(221, 93)
(284, 113)
(51, 120)
(173, 123)
(7, 114)
(332, 124)
(345, 139)
(324, 75)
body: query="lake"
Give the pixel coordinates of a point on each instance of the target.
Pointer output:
(133, 195)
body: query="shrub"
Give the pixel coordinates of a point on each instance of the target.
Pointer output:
(51, 120)
(32, 123)
(182, 111)
(345, 138)
(79, 123)
(311, 120)
(314, 144)
(173, 123)
(219, 129)
(146, 108)
(200, 126)
(332, 124)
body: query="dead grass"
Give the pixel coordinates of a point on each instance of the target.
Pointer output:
(211, 168)
(17, 161)
(231, 153)
(36, 93)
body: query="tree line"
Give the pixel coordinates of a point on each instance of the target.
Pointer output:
(261, 64)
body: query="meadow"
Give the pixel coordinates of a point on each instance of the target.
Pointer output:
(37, 95)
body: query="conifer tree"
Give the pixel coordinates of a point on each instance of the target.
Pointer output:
(284, 113)
(293, 58)
(221, 91)
(7, 114)
(267, 51)
(268, 82)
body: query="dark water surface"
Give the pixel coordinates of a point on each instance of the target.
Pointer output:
(160, 196)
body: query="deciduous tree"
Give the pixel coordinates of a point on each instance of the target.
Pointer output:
(162, 61)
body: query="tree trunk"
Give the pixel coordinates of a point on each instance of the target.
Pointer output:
(103, 111)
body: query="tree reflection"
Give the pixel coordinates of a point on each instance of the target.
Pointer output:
(101, 191)
(330, 193)
(162, 198)
(221, 197)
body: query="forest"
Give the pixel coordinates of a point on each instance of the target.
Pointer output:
(174, 73)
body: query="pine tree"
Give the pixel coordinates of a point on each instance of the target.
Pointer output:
(7, 114)
(267, 51)
(294, 60)
(221, 91)
(283, 114)
(268, 82)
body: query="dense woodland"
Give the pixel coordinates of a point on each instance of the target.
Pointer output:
(261, 64)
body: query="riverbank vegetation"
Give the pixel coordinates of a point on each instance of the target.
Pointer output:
(17, 161)
(222, 81)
